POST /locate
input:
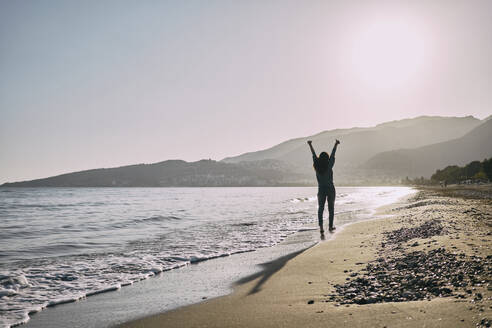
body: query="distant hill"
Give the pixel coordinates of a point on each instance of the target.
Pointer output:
(423, 161)
(382, 154)
(360, 144)
(176, 173)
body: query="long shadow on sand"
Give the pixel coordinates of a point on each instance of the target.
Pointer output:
(269, 268)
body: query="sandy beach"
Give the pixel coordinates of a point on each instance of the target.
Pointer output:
(425, 262)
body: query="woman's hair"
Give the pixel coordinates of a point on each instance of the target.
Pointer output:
(321, 165)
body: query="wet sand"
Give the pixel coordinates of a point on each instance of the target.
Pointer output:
(422, 263)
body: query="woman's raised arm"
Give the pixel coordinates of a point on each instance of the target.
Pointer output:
(311, 147)
(337, 142)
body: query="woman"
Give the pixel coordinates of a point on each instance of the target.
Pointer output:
(326, 190)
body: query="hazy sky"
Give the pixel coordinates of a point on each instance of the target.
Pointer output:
(88, 84)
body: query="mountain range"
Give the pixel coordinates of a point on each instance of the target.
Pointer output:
(374, 155)
(423, 161)
(383, 154)
(177, 173)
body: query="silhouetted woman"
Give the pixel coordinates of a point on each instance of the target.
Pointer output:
(323, 166)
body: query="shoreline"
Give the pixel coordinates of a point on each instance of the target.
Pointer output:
(165, 290)
(298, 290)
(143, 299)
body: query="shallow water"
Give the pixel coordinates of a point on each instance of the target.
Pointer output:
(61, 244)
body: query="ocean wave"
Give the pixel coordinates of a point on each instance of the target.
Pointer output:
(158, 218)
(244, 224)
(52, 281)
(154, 219)
(302, 199)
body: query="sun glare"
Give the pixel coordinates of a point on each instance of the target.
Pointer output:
(388, 54)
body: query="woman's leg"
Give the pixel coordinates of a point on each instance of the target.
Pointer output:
(331, 206)
(321, 207)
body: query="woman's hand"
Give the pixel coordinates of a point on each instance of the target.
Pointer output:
(309, 142)
(337, 142)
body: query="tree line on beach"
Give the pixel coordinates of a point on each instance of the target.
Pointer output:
(473, 172)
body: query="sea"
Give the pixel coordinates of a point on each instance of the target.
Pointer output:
(59, 245)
